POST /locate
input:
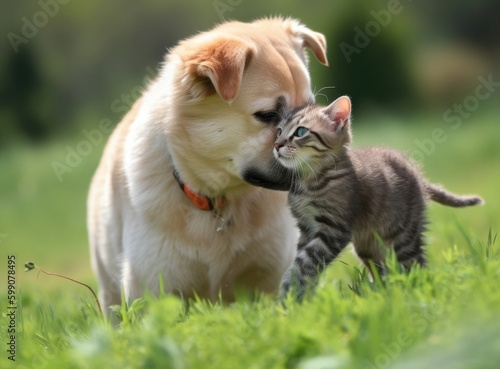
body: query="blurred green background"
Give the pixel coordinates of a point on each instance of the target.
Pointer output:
(411, 68)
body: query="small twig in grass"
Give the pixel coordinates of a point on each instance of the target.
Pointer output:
(30, 266)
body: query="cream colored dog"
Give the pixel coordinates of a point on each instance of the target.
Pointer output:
(175, 196)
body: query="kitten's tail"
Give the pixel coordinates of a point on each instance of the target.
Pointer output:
(440, 195)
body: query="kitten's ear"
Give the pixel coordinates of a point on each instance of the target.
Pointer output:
(218, 65)
(339, 112)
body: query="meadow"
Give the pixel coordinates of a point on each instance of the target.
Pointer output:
(444, 316)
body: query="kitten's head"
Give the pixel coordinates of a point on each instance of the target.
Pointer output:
(314, 136)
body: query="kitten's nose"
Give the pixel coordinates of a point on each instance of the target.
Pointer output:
(277, 146)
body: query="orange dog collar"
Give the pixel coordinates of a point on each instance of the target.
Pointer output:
(202, 202)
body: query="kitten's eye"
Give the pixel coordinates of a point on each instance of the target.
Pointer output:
(267, 116)
(278, 133)
(301, 131)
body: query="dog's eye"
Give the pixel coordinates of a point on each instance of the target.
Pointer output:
(301, 131)
(267, 116)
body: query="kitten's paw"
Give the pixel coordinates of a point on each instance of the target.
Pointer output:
(286, 283)
(292, 283)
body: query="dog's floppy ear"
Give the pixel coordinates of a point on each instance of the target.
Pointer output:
(312, 40)
(317, 43)
(222, 61)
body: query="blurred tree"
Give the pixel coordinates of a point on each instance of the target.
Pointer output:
(91, 53)
(20, 94)
(371, 67)
(476, 23)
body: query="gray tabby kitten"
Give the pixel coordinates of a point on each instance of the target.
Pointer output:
(340, 194)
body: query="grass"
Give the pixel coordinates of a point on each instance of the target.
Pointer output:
(444, 316)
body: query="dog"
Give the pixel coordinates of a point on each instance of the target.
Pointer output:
(188, 197)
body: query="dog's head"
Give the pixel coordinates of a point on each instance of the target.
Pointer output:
(233, 85)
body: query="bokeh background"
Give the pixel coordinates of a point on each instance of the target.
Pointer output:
(68, 66)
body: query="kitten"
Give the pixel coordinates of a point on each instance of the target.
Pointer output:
(361, 195)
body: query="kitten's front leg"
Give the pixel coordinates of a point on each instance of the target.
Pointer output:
(310, 261)
(291, 278)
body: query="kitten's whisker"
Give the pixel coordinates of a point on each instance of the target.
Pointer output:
(322, 88)
(295, 180)
(318, 93)
(310, 167)
(334, 158)
(331, 156)
(295, 177)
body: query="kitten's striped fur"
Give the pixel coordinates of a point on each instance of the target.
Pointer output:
(341, 195)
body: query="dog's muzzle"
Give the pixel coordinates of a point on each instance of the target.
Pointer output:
(273, 176)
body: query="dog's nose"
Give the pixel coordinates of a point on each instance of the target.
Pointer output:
(277, 146)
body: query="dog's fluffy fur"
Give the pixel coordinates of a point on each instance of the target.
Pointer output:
(198, 116)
